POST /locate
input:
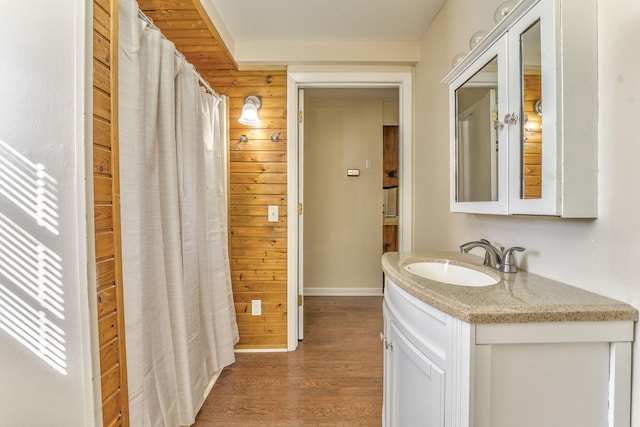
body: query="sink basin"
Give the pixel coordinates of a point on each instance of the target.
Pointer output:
(451, 274)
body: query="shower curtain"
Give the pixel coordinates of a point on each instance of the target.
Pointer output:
(179, 313)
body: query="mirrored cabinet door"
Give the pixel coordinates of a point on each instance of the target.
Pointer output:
(533, 182)
(476, 137)
(531, 112)
(479, 152)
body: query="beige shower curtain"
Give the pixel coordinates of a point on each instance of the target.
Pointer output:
(179, 313)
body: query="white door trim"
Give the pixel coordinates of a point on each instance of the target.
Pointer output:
(343, 77)
(299, 219)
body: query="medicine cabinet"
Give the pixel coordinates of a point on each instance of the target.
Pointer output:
(523, 114)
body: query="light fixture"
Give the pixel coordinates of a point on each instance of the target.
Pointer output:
(538, 107)
(250, 109)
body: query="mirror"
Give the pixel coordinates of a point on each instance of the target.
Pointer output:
(476, 103)
(531, 113)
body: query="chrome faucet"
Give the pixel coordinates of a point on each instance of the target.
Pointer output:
(500, 259)
(492, 256)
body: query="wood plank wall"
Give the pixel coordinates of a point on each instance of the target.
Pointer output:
(257, 179)
(532, 161)
(107, 215)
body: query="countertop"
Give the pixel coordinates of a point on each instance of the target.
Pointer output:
(517, 298)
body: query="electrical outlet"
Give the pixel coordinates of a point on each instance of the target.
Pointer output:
(272, 215)
(256, 307)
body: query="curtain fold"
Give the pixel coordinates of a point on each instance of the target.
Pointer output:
(179, 313)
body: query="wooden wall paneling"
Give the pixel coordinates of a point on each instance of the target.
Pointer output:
(390, 238)
(115, 167)
(390, 143)
(390, 180)
(112, 410)
(187, 25)
(532, 156)
(257, 179)
(111, 337)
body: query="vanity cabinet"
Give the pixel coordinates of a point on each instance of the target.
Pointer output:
(523, 114)
(442, 371)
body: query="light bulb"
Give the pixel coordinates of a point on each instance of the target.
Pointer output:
(458, 58)
(503, 10)
(476, 38)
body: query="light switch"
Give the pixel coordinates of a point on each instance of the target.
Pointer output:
(272, 214)
(353, 172)
(367, 164)
(256, 307)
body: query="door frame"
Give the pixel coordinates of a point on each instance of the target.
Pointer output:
(299, 77)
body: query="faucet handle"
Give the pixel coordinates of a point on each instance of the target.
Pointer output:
(508, 261)
(487, 256)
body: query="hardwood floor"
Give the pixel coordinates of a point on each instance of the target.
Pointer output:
(333, 379)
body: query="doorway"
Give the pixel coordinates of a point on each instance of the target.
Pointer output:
(342, 166)
(300, 78)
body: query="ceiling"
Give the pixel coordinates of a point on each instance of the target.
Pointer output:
(326, 20)
(223, 34)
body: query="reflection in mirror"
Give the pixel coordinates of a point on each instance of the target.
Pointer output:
(477, 137)
(531, 131)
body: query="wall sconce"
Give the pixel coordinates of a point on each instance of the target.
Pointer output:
(538, 107)
(250, 109)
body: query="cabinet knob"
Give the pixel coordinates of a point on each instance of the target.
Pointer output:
(511, 119)
(387, 344)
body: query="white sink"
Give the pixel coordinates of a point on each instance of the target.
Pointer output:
(451, 274)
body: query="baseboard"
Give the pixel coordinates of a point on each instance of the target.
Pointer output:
(342, 292)
(260, 350)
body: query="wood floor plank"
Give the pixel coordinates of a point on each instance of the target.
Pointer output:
(334, 378)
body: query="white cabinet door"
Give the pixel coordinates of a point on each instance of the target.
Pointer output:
(415, 387)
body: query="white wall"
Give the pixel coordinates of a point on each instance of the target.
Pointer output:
(45, 351)
(598, 255)
(343, 215)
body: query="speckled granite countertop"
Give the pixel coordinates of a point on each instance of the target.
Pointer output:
(517, 298)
